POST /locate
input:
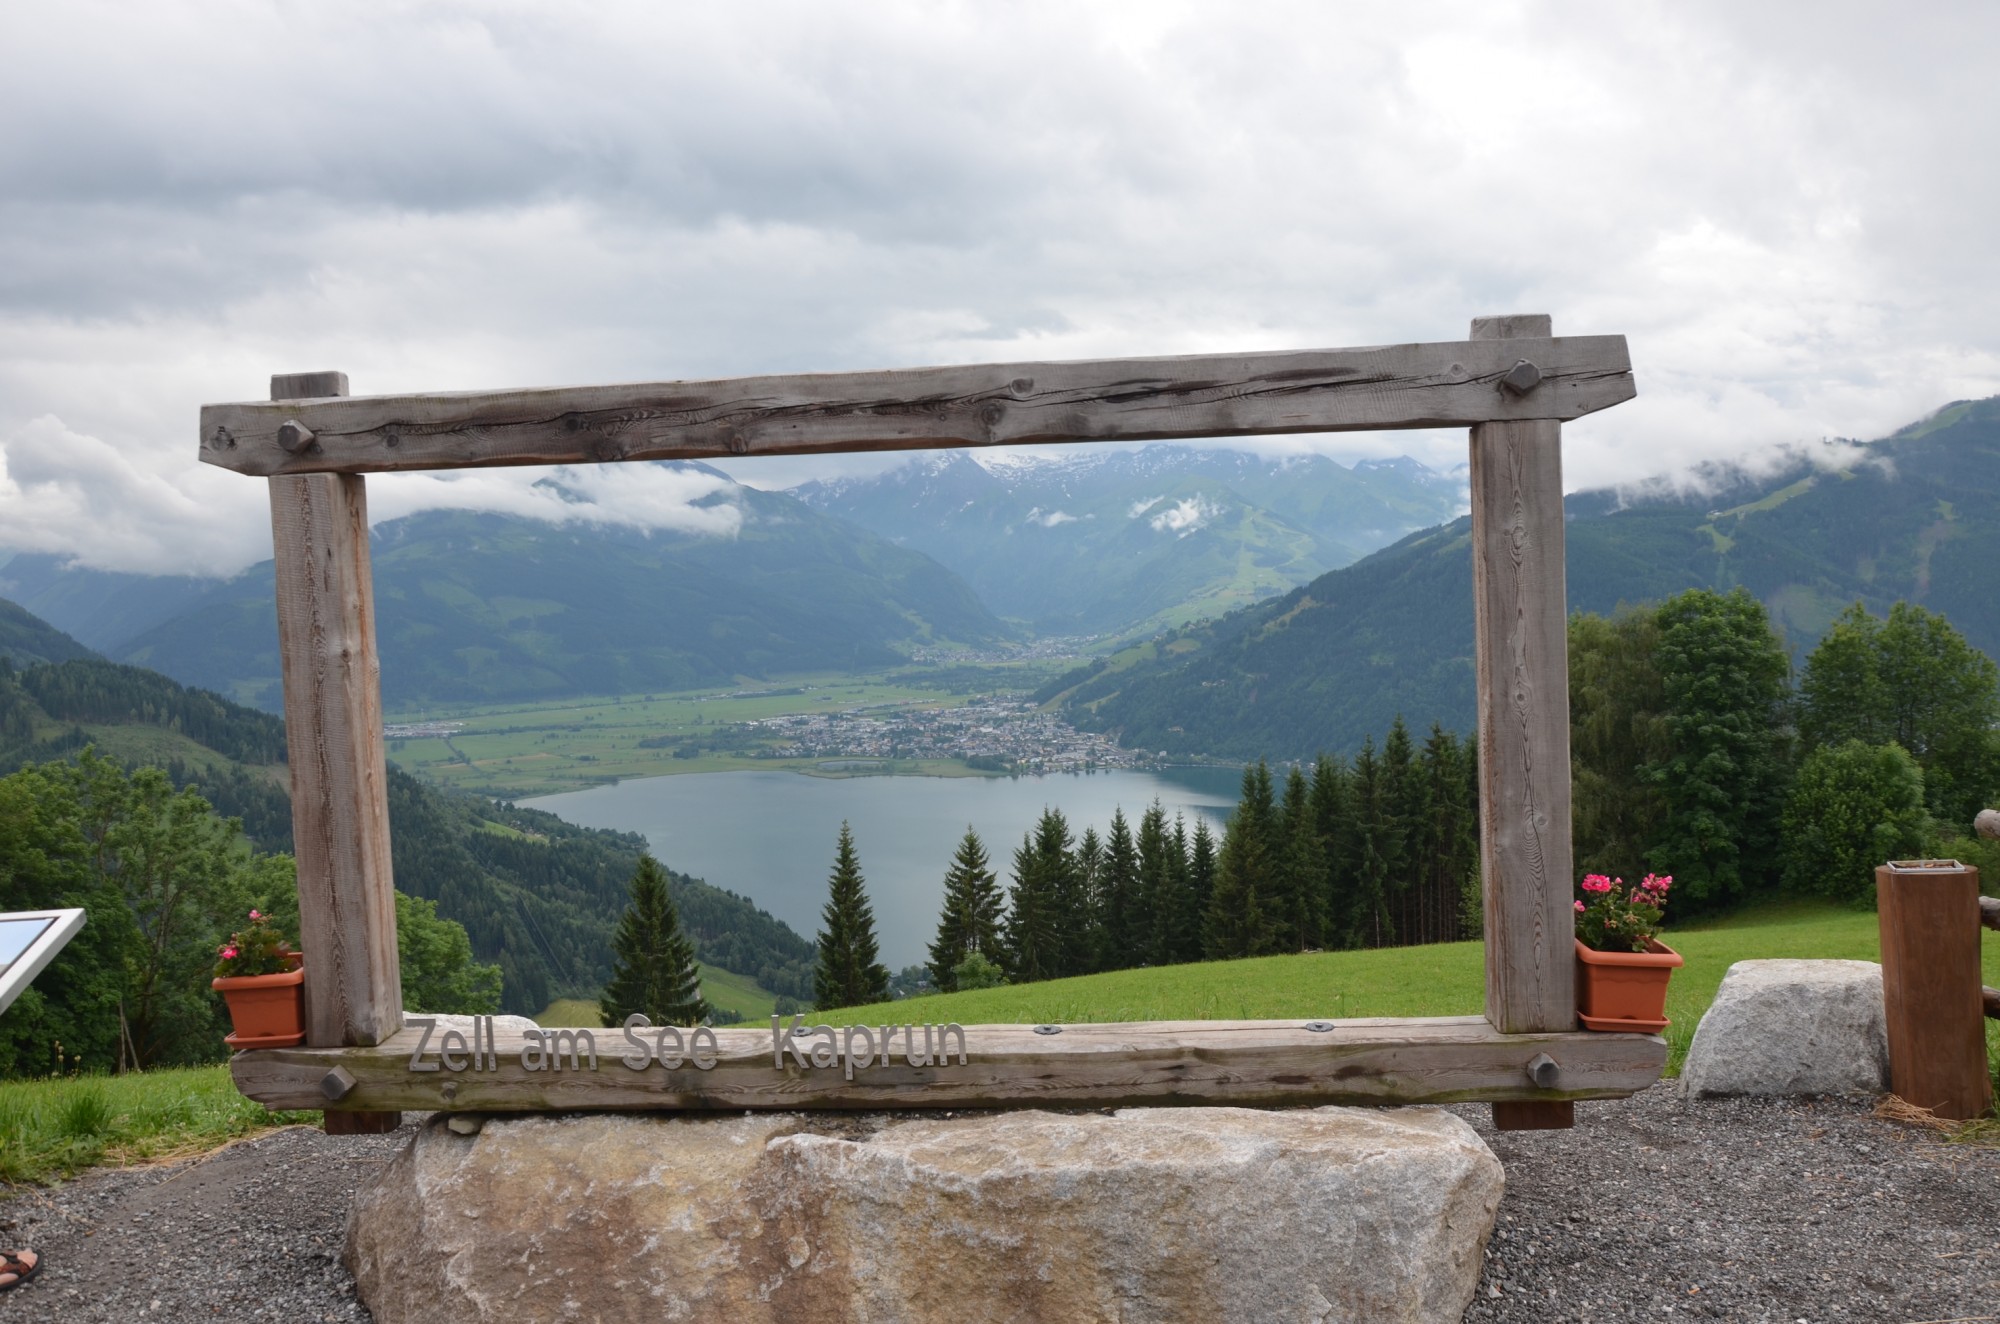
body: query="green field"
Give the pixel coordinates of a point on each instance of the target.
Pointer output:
(51, 1128)
(516, 751)
(1443, 980)
(740, 996)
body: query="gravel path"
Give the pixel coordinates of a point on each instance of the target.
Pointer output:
(1651, 1208)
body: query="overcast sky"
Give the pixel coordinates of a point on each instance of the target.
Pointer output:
(1789, 209)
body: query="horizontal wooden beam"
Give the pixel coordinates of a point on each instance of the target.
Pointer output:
(1382, 1061)
(1450, 384)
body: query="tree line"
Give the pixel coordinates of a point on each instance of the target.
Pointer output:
(1694, 753)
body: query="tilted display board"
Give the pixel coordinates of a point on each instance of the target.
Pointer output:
(1513, 383)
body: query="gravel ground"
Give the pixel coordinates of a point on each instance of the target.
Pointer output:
(1739, 1210)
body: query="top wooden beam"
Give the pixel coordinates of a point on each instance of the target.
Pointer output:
(1446, 384)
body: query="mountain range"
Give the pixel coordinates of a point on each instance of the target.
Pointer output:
(478, 606)
(1108, 541)
(1913, 516)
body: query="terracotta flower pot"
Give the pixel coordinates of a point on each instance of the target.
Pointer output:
(269, 1011)
(1624, 991)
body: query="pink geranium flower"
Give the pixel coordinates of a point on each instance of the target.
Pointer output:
(229, 953)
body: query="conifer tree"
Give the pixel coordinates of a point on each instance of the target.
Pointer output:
(1076, 941)
(1237, 923)
(1155, 889)
(1333, 823)
(1298, 903)
(1369, 924)
(653, 969)
(1117, 919)
(1399, 815)
(1175, 914)
(971, 918)
(848, 973)
(1033, 943)
(1200, 889)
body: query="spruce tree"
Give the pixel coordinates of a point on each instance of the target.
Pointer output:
(848, 973)
(1032, 940)
(971, 919)
(1155, 890)
(1118, 897)
(1238, 922)
(1200, 888)
(653, 969)
(1334, 824)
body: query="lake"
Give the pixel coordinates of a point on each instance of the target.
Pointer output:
(770, 835)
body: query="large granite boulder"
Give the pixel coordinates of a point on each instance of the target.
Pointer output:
(1792, 1027)
(1197, 1214)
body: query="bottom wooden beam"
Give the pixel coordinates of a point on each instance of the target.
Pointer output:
(793, 1065)
(1534, 1115)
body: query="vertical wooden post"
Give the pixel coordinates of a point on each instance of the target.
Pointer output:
(1521, 647)
(1929, 912)
(333, 730)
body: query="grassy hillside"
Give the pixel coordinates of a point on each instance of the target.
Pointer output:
(1443, 980)
(1917, 518)
(536, 894)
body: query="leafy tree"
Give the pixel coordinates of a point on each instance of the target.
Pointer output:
(1617, 730)
(848, 973)
(976, 972)
(1914, 680)
(439, 973)
(1723, 682)
(653, 967)
(1852, 807)
(970, 921)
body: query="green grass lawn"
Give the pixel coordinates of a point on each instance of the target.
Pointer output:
(742, 997)
(1443, 980)
(51, 1128)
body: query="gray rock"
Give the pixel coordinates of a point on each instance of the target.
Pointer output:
(1198, 1214)
(1792, 1027)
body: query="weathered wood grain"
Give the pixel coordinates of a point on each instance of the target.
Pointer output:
(1430, 1060)
(333, 728)
(1450, 384)
(1521, 647)
(1931, 993)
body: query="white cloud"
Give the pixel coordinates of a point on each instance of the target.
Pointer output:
(1784, 206)
(1141, 506)
(1184, 516)
(1049, 519)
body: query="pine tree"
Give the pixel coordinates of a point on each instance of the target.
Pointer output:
(1369, 923)
(1298, 902)
(1033, 943)
(848, 973)
(971, 919)
(1238, 922)
(1155, 890)
(653, 969)
(1401, 804)
(1118, 897)
(1075, 929)
(1200, 890)
(1334, 825)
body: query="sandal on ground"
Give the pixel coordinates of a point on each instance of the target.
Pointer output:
(17, 1267)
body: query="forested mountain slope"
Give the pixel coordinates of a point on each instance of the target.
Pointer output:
(1916, 517)
(1107, 540)
(537, 895)
(475, 606)
(26, 639)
